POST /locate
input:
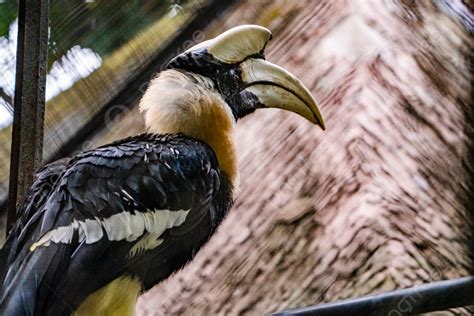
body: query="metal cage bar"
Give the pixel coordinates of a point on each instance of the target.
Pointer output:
(29, 101)
(436, 296)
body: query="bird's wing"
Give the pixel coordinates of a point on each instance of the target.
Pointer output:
(118, 210)
(43, 184)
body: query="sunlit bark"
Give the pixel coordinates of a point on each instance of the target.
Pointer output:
(377, 202)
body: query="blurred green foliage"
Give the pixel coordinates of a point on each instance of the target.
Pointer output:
(8, 13)
(101, 25)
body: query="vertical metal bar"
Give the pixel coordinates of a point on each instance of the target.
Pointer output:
(29, 100)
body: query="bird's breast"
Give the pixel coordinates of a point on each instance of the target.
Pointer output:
(118, 298)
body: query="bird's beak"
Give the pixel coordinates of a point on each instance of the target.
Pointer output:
(277, 88)
(273, 86)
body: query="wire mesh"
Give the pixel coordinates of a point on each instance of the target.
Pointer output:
(94, 47)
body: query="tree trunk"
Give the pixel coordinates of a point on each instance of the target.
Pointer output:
(377, 202)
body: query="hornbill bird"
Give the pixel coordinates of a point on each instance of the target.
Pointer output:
(99, 228)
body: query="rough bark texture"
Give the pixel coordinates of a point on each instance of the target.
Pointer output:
(379, 201)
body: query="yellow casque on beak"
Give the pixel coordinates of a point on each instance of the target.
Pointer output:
(277, 88)
(236, 44)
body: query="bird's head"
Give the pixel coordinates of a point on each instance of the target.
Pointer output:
(235, 63)
(207, 88)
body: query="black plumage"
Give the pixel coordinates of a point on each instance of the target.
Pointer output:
(45, 179)
(138, 174)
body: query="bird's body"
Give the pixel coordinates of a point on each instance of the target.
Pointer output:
(179, 197)
(99, 228)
